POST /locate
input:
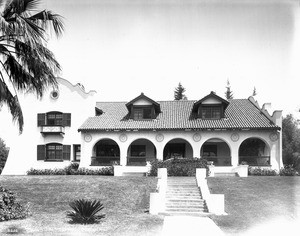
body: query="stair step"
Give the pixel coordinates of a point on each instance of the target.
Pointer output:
(178, 200)
(186, 207)
(227, 174)
(186, 210)
(198, 214)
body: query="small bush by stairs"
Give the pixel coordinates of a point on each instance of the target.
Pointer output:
(183, 197)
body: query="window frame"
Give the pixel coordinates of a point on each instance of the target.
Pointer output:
(142, 112)
(76, 150)
(211, 116)
(56, 121)
(58, 152)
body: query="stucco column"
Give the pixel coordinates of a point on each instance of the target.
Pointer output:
(196, 149)
(86, 153)
(159, 151)
(234, 154)
(274, 161)
(123, 154)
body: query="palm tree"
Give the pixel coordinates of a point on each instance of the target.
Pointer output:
(26, 65)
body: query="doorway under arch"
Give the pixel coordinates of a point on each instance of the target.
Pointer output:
(106, 152)
(178, 148)
(140, 151)
(217, 151)
(254, 152)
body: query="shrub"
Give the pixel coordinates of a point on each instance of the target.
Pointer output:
(178, 166)
(3, 154)
(9, 208)
(288, 170)
(261, 171)
(71, 170)
(85, 211)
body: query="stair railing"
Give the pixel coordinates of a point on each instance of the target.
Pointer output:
(215, 202)
(157, 199)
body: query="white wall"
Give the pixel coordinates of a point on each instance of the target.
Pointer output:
(195, 138)
(23, 149)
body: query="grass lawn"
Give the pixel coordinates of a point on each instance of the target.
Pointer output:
(255, 202)
(125, 199)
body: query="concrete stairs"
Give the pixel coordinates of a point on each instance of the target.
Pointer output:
(183, 197)
(226, 174)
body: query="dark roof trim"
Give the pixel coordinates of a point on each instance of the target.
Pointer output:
(167, 129)
(143, 96)
(212, 94)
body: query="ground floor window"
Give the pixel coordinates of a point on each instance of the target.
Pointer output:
(54, 151)
(77, 152)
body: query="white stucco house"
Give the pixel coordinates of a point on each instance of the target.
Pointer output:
(228, 133)
(50, 138)
(66, 126)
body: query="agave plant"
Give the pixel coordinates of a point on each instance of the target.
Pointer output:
(85, 211)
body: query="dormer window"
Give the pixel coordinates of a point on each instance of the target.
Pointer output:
(210, 107)
(142, 113)
(210, 112)
(143, 108)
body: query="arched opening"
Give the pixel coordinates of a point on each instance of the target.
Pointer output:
(106, 152)
(140, 151)
(178, 148)
(254, 152)
(217, 151)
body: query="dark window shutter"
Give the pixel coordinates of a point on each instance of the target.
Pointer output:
(66, 119)
(67, 152)
(41, 152)
(41, 119)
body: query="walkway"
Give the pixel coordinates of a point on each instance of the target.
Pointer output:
(190, 226)
(186, 211)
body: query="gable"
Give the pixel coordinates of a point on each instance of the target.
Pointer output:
(142, 102)
(211, 100)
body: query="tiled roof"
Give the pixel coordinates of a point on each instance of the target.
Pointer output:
(175, 115)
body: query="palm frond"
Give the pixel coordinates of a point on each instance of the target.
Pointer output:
(48, 19)
(13, 104)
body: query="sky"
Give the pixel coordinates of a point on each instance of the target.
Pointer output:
(121, 48)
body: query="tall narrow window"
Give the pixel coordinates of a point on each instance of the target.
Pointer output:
(77, 152)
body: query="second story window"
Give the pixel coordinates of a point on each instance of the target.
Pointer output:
(54, 118)
(142, 113)
(211, 112)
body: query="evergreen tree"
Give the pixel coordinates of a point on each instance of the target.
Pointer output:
(228, 93)
(254, 93)
(290, 141)
(179, 92)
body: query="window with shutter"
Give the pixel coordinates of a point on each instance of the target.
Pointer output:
(41, 121)
(66, 152)
(67, 119)
(41, 152)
